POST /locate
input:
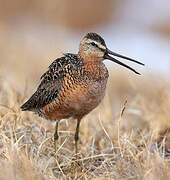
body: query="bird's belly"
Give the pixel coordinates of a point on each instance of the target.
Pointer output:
(76, 102)
(88, 101)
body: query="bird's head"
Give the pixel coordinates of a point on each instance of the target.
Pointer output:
(93, 48)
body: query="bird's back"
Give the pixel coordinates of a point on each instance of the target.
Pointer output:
(51, 81)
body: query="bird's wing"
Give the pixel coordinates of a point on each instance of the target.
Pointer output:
(51, 83)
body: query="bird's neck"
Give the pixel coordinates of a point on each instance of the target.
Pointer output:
(90, 58)
(96, 69)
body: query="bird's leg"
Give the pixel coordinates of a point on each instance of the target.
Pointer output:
(56, 136)
(76, 137)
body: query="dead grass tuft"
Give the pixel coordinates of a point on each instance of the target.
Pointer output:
(126, 137)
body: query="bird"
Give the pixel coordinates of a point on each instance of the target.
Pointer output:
(74, 84)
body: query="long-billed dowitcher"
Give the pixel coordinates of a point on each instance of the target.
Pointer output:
(74, 84)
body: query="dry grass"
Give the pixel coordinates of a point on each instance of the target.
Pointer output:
(126, 137)
(118, 140)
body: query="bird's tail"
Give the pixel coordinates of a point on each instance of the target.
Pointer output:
(30, 104)
(25, 106)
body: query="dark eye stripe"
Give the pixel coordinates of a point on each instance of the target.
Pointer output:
(94, 44)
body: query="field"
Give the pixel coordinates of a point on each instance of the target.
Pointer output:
(126, 137)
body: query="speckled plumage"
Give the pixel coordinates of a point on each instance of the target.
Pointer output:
(74, 84)
(69, 88)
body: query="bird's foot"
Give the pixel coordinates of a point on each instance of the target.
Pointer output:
(76, 165)
(55, 148)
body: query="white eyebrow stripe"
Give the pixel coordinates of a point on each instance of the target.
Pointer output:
(99, 45)
(90, 41)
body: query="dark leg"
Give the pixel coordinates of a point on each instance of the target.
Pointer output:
(56, 136)
(76, 137)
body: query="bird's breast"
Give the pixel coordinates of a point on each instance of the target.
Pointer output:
(93, 86)
(79, 94)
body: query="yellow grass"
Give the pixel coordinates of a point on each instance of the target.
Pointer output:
(118, 140)
(126, 137)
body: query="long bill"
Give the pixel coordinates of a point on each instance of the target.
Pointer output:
(120, 63)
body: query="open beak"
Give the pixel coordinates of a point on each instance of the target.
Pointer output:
(106, 56)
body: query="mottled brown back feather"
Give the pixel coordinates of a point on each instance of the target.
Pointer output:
(51, 81)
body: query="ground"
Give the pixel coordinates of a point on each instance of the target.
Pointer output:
(126, 137)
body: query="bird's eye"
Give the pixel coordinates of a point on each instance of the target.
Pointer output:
(94, 44)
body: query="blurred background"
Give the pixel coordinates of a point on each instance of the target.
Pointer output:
(34, 33)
